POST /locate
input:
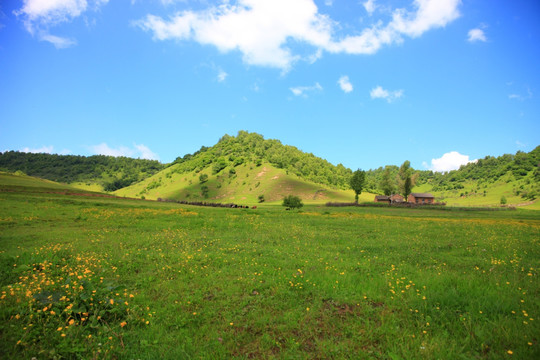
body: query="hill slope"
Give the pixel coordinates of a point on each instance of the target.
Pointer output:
(242, 184)
(93, 173)
(242, 168)
(18, 182)
(511, 178)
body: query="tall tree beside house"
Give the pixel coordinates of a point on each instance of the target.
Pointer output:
(406, 179)
(357, 183)
(387, 185)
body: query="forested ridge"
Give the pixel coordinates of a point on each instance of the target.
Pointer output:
(109, 171)
(522, 168)
(251, 148)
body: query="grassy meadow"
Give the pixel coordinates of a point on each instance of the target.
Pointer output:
(99, 278)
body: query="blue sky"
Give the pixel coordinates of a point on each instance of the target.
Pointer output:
(365, 83)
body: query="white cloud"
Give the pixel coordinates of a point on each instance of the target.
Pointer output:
(43, 149)
(39, 15)
(345, 84)
(139, 151)
(146, 153)
(476, 35)
(449, 161)
(104, 149)
(262, 30)
(370, 6)
(57, 41)
(301, 90)
(380, 93)
(222, 75)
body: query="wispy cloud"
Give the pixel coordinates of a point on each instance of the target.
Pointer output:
(146, 153)
(345, 84)
(449, 161)
(58, 41)
(475, 35)
(139, 151)
(39, 16)
(521, 97)
(222, 75)
(43, 149)
(302, 90)
(380, 93)
(370, 6)
(262, 30)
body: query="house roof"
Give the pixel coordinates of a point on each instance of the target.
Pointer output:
(382, 197)
(422, 195)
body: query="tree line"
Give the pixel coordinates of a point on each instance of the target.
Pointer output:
(400, 184)
(111, 172)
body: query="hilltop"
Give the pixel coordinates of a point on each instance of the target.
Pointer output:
(247, 168)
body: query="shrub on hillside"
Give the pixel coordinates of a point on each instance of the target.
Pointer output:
(292, 202)
(204, 191)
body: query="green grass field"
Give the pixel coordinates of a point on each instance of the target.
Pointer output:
(99, 278)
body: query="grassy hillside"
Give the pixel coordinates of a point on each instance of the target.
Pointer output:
(18, 181)
(474, 193)
(242, 184)
(241, 169)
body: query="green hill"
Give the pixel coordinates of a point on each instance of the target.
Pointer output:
(515, 179)
(241, 169)
(20, 182)
(242, 184)
(97, 173)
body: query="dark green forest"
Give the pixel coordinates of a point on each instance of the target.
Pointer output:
(111, 172)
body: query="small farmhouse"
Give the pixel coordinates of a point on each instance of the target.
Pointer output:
(392, 199)
(382, 199)
(421, 198)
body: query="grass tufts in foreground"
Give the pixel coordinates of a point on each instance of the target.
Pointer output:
(84, 277)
